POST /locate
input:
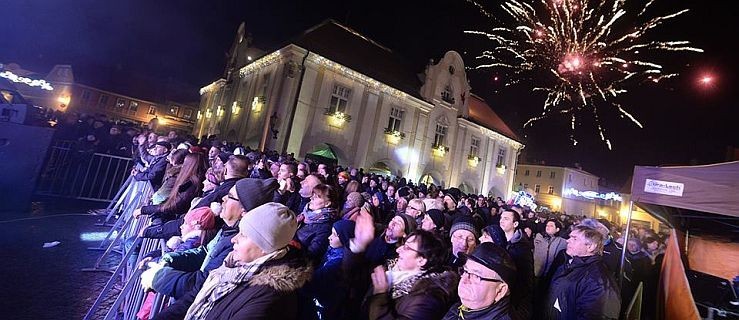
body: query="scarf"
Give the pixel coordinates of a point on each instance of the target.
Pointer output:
(225, 279)
(318, 216)
(402, 282)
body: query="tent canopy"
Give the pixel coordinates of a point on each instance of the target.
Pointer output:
(707, 195)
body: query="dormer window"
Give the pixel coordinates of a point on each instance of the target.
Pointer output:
(447, 94)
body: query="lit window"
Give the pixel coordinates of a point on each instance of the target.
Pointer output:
(339, 99)
(395, 120)
(120, 104)
(187, 114)
(173, 110)
(501, 159)
(152, 110)
(474, 147)
(440, 135)
(550, 190)
(133, 107)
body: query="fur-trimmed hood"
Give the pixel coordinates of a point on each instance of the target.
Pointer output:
(285, 275)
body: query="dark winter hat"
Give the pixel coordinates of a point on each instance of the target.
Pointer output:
(255, 192)
(404, 192)
(464, 223)
(345, 230)
(164, 144)
(409, 222)
(498, 235)
(495, 258)
(224, 156)
(437, 217)
(379, 196)
(455, 194)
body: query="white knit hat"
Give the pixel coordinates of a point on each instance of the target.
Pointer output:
(271, 226)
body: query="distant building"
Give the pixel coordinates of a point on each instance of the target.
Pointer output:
(569, 190)
(334, 89)
(58, 90)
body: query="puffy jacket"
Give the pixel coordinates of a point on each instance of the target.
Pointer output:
(583, 289)
(545, 249)
(429, 298)
(313, 237)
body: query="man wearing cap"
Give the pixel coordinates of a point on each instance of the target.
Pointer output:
(463, 238)
(155, 163)
(259, 279)
(175, 277)
(485, 285)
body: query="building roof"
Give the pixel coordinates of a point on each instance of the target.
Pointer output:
(481, 113)
(353, 50)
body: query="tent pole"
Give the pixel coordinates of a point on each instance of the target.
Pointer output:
(623, 250)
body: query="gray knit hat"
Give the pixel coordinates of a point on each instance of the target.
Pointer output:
(464, 223)
(271, 226)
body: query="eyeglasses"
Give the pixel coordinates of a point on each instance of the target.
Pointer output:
(476, 278)
(232, 197)
(406, 247)
(414, 208)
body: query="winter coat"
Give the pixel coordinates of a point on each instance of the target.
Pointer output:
(185, 193)
(271, 293)
(191, 267)
(500, 310)
(583, 289)
(429, 298)
(521, 251)
(329, 286)
(313, 237)
(154, 172)
(545, 249)
(170, 175)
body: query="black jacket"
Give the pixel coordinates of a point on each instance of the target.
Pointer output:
(154, 173)
(217, 194)
(429, 298)
(583, 289)
(183, 197)
(521, 250)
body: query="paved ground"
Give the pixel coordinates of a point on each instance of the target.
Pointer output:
(47, 283)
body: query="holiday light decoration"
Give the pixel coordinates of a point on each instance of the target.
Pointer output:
(583, 54)
(523, 198)
(592, 194)
(27, 81)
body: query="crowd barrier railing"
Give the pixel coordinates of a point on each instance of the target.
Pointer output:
(72, 173)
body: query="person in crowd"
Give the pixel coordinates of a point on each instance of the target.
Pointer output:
(185, 188)
(463, 239)
(175, 159)
(352, 186)
(583, 288)
(401, 204)
(329, 286)
(433, 221)
(521, 251)
(495, 234)
(383, 247)
(342, 180)
(352, 205)
(288, 194)
(547, 246)
(416, 285)
(306, 189)
(641, 263)
(485, 285)
(181, 272)
(417, 210)
(155, 163)
(262, 275)
(316, 221)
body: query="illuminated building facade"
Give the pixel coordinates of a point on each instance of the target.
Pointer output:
(58, 90)
(333, 86)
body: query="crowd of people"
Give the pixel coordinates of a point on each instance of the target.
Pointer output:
(256, 235)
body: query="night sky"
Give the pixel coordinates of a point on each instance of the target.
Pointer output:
(181, 45)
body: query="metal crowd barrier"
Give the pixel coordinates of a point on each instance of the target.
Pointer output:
(72, 173)
(129, 300)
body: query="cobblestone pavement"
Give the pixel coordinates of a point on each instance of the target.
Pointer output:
(47, 283)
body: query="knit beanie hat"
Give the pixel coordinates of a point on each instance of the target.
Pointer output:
(202, 216)
(497, 234)
(410, 223)
(464, 223)
(224, 156)
(345, 230)
(405, 192)
(255, 192)
(271, 226)
(437, 217)
(455, 194)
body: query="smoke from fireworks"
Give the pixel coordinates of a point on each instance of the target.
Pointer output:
(581, 53)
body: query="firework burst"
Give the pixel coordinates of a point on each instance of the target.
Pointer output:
(582, 54)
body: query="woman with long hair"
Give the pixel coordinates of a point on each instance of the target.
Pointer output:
(175, 159)
(185, 188)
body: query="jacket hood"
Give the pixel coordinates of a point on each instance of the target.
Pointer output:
(284, 275)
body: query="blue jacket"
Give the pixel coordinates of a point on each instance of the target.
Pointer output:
(583, 289)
